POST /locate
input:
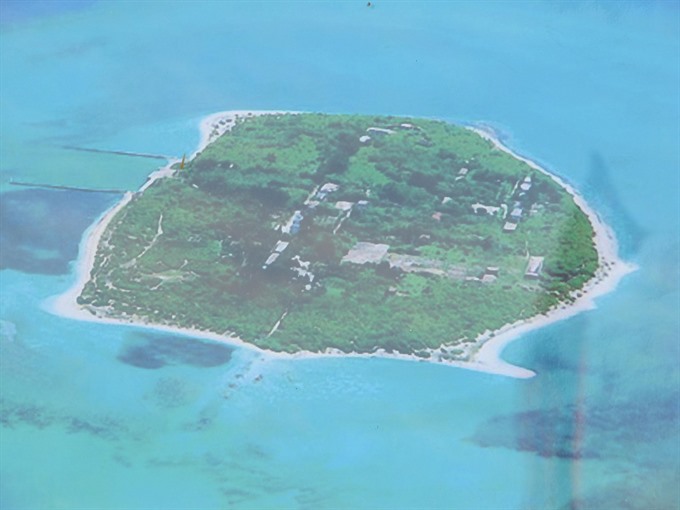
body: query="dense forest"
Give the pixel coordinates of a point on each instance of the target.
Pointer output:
(308, 231)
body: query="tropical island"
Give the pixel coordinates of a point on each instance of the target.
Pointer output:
(339, 234)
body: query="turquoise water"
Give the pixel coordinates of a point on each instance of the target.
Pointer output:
(100, 416)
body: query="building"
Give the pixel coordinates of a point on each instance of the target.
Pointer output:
(293, 225)
(344, 206)
(534, 267)
(272, 258)
(366, 253)
(278, 250)
(489, 209)
(297, 221)
(380, 130)
(280, 246)
(490, 274)
(361, 205)
(516, 214)
(461, 174)
(327, 188)
(526, 184)
(509, 226)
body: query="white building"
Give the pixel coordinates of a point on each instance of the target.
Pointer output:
(534, 267)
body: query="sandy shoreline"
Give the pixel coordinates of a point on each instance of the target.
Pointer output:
(216, 124)
(484, 352)
(65, 304)
(611, 270)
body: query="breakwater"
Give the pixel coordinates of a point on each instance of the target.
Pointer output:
(70, 188)
(117, 153)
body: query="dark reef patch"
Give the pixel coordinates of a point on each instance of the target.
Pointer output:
(590, 430)
(14, 414)
(171, 392)
(150, 351)
(40, 229)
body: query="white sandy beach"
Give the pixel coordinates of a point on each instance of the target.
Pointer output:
(216, 124)
(611, 270)
(484, 353)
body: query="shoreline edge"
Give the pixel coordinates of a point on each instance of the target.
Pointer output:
(484, 353)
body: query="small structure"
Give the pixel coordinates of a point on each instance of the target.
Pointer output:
(380, 130)
(280, 246)
(366, 253)
(509, 226)
(526, 184)
(516, 214)
(272, 258)
(463, 171)
(293, 225)
(304, 273)
(534, 267)
(490, 274)
(489, 209)
(304, 264)
(327, 188)
(361, 205)
(344, 206)
(311, 196)
(446, 200)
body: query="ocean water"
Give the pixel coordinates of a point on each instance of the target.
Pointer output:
(100, 416)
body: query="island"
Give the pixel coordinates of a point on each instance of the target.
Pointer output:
(347, 234)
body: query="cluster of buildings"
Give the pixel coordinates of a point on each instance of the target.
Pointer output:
(363, 253)
(300, 267)
(517, 210)
(292, 227)
(279, 248)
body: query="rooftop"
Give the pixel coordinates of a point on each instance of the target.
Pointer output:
(366, 253)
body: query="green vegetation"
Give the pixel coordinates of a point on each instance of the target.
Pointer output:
(264, 224)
